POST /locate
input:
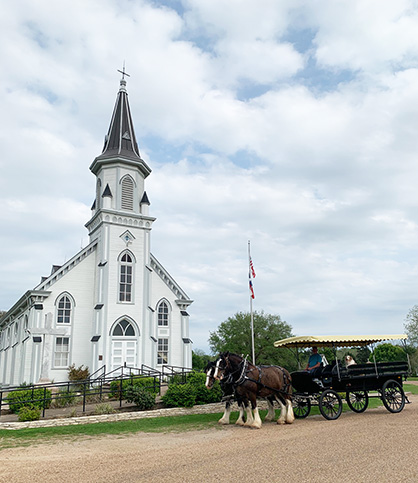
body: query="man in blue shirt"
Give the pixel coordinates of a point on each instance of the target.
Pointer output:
(314, 363)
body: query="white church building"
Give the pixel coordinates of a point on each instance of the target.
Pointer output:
(112, 304)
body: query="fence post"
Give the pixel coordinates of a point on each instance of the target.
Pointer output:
(121, 390)
(43, 410)
(84, 397)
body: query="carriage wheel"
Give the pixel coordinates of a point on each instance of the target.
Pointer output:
(393, 396)
(330, 404)
(301, 407)
(357, 401)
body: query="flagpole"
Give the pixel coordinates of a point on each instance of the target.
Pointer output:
(251, 303)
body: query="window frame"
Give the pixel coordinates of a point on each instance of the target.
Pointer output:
(162, 316)
(124, 329)
(64, 309)
(62, 352)
(162, 348)
(124, 268)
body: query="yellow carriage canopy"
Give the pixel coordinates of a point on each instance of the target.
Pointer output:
(336, 340)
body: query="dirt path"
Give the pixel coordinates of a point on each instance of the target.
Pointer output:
(376, 445)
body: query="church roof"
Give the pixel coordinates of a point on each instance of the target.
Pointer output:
(120, 141)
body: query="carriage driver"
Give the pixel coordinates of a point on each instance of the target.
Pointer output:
(315, 363)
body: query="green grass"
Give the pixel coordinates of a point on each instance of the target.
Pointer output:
(163, 424)
(410, 388)
(26, 437)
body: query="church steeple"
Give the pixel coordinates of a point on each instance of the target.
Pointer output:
(120, 141)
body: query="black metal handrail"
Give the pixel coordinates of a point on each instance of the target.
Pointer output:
(95, 387)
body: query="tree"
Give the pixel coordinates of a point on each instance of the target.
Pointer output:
(199, 360)
(411, 325)
(363, 354)
(234, 335)
(388, 353)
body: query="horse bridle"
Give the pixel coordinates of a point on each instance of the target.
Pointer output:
(230, 379)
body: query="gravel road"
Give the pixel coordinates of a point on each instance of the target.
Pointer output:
(375, 445)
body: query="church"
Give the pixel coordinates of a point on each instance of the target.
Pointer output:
(112, 304)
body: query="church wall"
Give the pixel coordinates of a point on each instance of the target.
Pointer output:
(174, 331)
(79, 285)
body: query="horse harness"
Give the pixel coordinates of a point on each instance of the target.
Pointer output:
(244, 377)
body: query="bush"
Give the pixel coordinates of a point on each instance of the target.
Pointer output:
(27, 413)
(140, 396)
(104, 408)
(146, 383)
(33, 398)
(65, 398)
(180, 395)
(203, 394)
(78, 373)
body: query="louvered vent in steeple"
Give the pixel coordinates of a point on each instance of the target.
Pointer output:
(127, 193)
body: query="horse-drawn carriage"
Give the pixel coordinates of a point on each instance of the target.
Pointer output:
(355, 383)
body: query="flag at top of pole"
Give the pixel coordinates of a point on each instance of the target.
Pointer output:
(251, 275)
(251, 272)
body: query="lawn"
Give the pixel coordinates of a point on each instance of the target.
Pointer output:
(26, 437)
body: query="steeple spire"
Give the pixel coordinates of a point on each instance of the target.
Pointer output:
(120, 141)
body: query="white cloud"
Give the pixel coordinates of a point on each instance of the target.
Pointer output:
(310, 153)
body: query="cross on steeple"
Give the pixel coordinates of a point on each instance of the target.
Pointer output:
(123, 71)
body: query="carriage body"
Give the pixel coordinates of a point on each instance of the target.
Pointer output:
(353, 383)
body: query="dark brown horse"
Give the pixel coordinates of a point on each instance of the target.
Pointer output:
(251, 382)
(229, 395)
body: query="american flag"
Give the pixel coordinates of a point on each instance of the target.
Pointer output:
(251, 287)
(252, 271)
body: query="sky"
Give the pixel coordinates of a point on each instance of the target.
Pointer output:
(291, 124)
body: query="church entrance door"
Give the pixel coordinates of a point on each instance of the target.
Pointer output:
(124, 346)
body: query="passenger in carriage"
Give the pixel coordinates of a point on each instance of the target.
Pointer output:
(314, 365)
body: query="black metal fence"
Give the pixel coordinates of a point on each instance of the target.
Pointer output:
(99, 387)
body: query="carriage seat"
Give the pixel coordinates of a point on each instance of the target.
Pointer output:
(327, 375)
(302, 381)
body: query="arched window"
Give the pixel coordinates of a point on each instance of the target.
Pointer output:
(125, 278)
(64, 310)
(124, 329)
(127, 198)
(163, 314)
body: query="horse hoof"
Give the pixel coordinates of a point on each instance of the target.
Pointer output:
(280, 421)
(240, 423)
(222, 422)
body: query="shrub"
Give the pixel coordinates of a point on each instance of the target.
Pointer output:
(140, 396)
(180, 395)
(33, 398)
(93, 396)
(65, 398)
(78, 374)
(27, 413)
(203, 394)
(146, 383)
(104, 408)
